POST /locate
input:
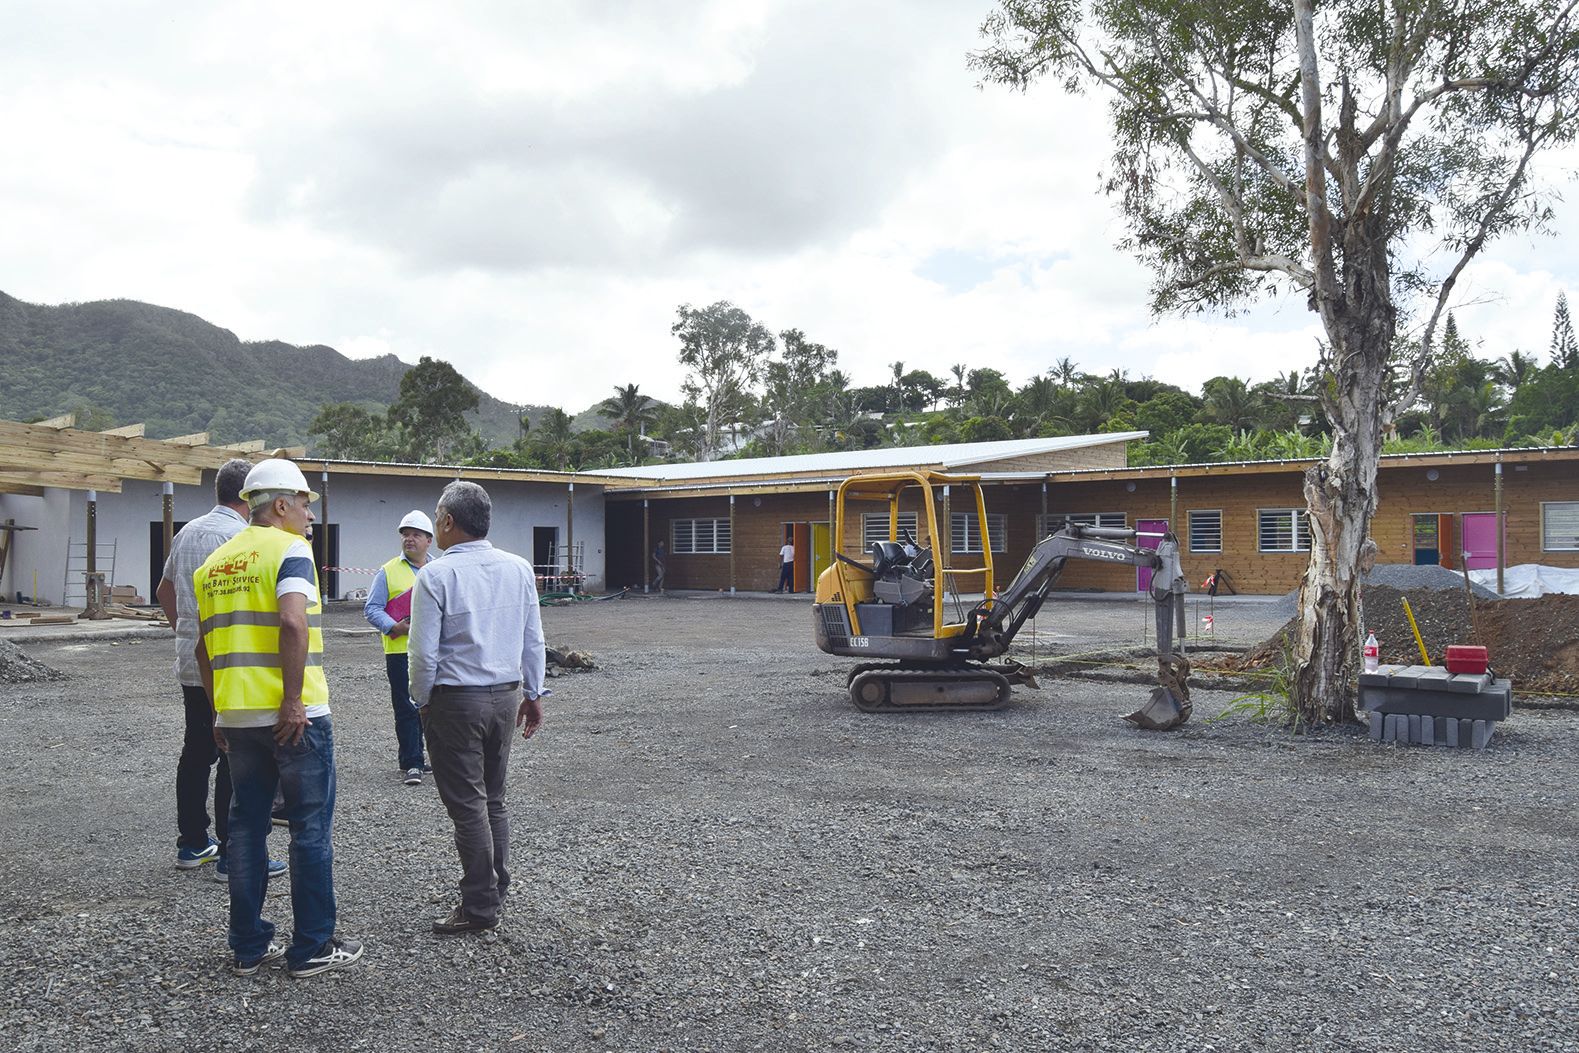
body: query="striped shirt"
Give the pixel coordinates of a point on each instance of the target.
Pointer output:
(192, 546)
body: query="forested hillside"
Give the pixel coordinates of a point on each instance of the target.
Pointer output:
(120, 362)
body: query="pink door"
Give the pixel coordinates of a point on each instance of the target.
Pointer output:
(1148, 533)
(1480, 540)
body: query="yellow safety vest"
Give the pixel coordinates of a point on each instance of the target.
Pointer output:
(239, 618)
(399, 577)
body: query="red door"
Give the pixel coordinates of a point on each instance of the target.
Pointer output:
(1480, 540)
(800, 537)
(1148, 532)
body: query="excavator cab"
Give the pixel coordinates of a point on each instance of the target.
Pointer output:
(929, 620)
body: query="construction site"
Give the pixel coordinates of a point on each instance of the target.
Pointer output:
(718, 851)
(735, 831)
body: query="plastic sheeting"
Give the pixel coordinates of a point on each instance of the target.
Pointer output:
(1529, 580)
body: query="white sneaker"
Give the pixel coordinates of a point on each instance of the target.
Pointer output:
(413, 776)
(336, 954)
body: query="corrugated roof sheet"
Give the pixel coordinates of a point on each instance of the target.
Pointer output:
(949, 455)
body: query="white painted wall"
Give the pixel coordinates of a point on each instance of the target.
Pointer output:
(366, 508)
(40, 552)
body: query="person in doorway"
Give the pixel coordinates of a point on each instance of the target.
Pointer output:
(659, 561)
(192, 545)
(260, 654)
(477, 659)
(388, 609)
(786, 567)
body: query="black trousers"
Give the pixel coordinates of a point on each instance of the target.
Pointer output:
(408, 725)
(786, 577)
(198, 754)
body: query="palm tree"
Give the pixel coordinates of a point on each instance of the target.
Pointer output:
(1065, 372)
(960, 371)
(899, 385)
(630, 410)
(556, 437)
(1230, 401)
(1514, 370)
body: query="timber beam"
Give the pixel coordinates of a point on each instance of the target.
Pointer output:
(26, 482)
(130, 431)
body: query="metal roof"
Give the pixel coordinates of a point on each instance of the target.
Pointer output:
(947, 455)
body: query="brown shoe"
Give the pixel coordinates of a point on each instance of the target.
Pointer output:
(459, 922)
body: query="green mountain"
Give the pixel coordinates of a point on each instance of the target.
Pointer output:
(120, 362)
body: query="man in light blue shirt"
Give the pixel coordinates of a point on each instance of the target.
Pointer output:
(477, 657)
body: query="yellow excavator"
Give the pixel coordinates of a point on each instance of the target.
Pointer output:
(929, 632)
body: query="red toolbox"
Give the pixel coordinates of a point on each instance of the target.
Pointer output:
(1462, 658)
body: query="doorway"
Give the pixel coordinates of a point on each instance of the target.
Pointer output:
(1480, 540)
(1148, 534)
(545, 551)
(821, 549)
(1432, 535)
(156, 555)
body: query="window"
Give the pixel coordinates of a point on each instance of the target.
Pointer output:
(1206, 531)
(695, 537)
(874, 527)
(1559, 526)
(1284, 529)
(1054, 522)
(965, 529)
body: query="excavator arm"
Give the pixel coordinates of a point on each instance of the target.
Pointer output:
(993, 624)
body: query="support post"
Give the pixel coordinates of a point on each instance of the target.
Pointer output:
(93, 531)
(1502, 555)
(323, 521)
(1042, 526)
(731, 544)
(168, 501)
(570, 535)
(646, 548)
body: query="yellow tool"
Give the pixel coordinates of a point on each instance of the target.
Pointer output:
(1425, 659)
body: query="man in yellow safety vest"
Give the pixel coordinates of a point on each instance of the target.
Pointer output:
(388, 609)
(260, 656)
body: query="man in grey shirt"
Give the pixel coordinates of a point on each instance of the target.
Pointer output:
(192, 545)
(476, 660)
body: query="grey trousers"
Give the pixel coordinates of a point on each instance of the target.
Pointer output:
(469, 732)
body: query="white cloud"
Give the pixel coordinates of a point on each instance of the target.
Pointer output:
(530, 190)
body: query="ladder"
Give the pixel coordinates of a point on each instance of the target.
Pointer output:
(74, 592)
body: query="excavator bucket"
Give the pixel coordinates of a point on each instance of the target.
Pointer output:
(1169, 705)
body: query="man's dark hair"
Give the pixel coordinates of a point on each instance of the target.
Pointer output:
(229, 479)
(470, 506)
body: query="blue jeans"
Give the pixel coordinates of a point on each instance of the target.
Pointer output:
(304, 773)
(408, 725)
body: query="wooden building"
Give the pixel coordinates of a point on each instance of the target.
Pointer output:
(723, 522)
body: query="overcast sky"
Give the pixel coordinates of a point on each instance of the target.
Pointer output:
(529, 189)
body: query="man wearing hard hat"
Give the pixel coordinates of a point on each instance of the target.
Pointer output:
(388, 610)
(260, 655)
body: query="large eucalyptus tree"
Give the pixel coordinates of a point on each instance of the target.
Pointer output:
(1359, 153)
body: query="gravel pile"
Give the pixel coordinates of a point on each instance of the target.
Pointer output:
(1400, 577)
(715, 851)
(18, 667)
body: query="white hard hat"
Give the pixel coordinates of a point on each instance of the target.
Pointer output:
(419, 521)
(276, 474)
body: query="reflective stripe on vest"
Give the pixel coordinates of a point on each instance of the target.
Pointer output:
(239, 618)
(399, 578)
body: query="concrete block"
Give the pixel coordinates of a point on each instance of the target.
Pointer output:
(1452, 732)
(1376, 679)
(1505, 689)
(1406, 676)
(1466, 733)
(1376, 726)
(1484, 729)
(1390, 727)
(1414, 728)
(1487, 705)
(1441, 730)
(1433, 676)
(1468, 683)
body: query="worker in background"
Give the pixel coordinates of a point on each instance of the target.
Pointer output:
(786, 567)
(193, 544)
(476, 671)
(260, 655)
(388, 610)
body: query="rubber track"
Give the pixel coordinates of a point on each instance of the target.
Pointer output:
(967, 674)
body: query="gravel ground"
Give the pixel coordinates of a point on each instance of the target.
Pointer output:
(716, 851)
